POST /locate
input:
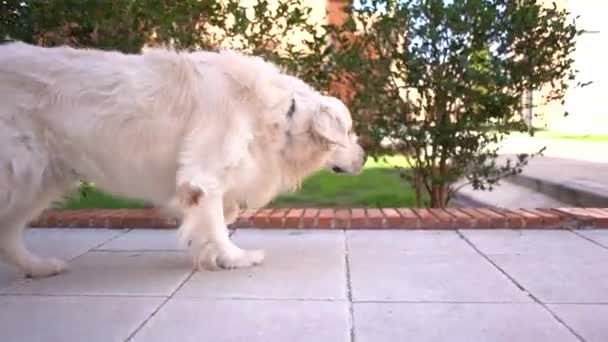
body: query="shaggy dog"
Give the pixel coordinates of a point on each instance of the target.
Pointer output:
(204, 134)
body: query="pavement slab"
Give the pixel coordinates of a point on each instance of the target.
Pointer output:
(589, 320)
(299, 265)
(554, 266)
(461, 322)
(248, 320)
(598, 236)
(422, 266)
(317, 285)
(144, 240)
(79, 318)
(118, 274)
(60, 243)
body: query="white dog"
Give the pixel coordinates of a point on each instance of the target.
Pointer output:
(202, 133)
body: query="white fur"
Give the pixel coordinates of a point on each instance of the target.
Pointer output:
(203, 134)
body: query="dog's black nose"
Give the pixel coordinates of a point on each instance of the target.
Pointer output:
(337, 169)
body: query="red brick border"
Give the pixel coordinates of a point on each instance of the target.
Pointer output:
(355, 218)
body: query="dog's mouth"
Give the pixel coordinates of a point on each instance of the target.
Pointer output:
(337, 169)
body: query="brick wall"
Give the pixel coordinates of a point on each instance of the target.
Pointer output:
(345, 218)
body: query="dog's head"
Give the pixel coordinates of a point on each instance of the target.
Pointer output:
(332, 123)
(311, 131)
(319, 131)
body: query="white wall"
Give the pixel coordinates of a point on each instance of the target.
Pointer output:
(588, 107)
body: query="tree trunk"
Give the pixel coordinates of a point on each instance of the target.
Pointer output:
(418, 187)
(439, 195)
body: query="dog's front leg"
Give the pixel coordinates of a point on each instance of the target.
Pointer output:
(231, 212)
(204, 230)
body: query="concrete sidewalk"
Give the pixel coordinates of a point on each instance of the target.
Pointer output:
(574, 182)
(571, 173)
(549, 182)
(330, 285)
(558, 148)
(572, 164)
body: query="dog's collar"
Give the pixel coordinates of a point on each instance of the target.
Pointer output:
(292, 108)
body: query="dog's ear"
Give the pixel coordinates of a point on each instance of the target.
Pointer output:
(331, 121)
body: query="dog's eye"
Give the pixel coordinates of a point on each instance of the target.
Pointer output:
(292, 108)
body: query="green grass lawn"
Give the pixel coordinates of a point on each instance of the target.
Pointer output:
(379, 185)
(95, 199)
(591, 138)
(583, 138)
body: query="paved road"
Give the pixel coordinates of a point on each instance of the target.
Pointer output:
(469, 285)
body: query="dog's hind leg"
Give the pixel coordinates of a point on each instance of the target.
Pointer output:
(13, 251)
(29, 181)
(12, 245)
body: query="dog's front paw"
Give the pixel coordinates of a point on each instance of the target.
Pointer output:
(45, 267)
(212, 256)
